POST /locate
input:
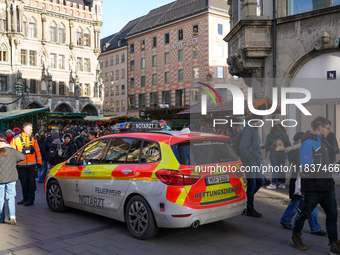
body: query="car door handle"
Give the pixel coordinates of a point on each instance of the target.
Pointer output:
(126, 171)
(88, 171)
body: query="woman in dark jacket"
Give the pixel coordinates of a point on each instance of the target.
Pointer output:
(9, 157)
(71, 147)
(276, 143)
(42, 171)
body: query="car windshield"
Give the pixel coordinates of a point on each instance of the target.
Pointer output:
(204, 152)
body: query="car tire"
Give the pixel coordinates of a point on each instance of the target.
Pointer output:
(139, 218)
(54, 197)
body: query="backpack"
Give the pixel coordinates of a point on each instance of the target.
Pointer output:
(279, 145)
(237, 141)
(62, 150)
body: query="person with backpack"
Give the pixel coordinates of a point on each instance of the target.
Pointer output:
(276, 143)
(294, 159)
(251, 157)
(58, 150)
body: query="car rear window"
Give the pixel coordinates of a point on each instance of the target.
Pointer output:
(204, 152)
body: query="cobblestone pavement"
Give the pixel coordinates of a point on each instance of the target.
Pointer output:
(40, 231)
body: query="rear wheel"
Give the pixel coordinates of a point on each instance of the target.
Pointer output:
(139, 218)
(54, 197)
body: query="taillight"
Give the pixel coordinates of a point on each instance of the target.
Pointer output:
(176, 178)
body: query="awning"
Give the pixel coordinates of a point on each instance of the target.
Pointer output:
(67, 116)
(21, 113)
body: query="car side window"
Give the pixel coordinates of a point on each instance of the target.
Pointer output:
(150, 152)
(134, 152)
(118, 150)
(93, 152)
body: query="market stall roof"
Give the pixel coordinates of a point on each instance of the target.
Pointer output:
(21, 113)
(97, 118)
(67, 116)
(227, 107)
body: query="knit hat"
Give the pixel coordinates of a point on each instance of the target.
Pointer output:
(55, 135)
(67, 135)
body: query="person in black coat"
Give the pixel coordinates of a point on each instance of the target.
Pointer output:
(333, 147)
(80, 140)
(58, 150)
(42, 171)
(294, 159)
(71, 147)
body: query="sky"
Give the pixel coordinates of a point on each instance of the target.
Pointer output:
(115, 16)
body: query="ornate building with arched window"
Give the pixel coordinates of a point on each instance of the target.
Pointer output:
(50, 48)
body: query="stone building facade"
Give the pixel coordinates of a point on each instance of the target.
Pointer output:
(289, 44)
(51, 48)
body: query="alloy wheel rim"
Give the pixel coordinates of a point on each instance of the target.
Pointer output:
(138, 217)
(54, 196)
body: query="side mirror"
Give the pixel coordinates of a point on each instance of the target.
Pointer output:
(72, 161)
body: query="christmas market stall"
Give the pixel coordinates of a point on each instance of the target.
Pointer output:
(16, 118)
(108, 121)
(67, 118)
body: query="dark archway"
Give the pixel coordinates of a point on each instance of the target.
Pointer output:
(33, 106)
(3, 109)
(63, 108)
(92, 111)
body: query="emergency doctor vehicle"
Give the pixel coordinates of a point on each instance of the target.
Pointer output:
(151, 180)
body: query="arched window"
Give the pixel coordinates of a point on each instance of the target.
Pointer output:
(53, 29)
(24, 26)
(87, 37)
(2, 20)
(32, 28)
(3, 53)
(79, 37)
(61, 33)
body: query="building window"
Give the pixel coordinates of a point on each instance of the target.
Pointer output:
(106, 76)
(154, 42)
(194, 96)
(141, 99)
(142, 81)
(117, 90)
(3, 83)
(123, 89)
(79, 38)
(132, 48)
(132, 65)
(123, 105)
(195, 30)
(153, 99)
(117, 74)
(112, 93)
(87, 39)
(180, 34)
(166, 38)
(123, 74)
(101, 63)
(61, 35)
(32, 28)
(24, 28)
(53, 60)
(117, 59)
(111, 76)
(117, 106)
(111, 61)
(54, 87)
(87, 90)
(166, 58)
(3, 24)
(33, 86)
(180, 55)
(180, 75)
(62, 88)
(142, 45)
(142, 63)
(195, 51)
(154, 61)
(79, 64)
(166, 97)
(52, 34)
(3, 55)
(196, 73)
(33, 58)
(131, 102)
(122, 58)
(180, 97)
(220, 29)
(112, 106)
(220, 51)
(220, 72)
(23, 57)
(154, 79)
(167, 77)
(106, 62)
(87, 65)
(132, 83)
(107, 106)
(106, 91)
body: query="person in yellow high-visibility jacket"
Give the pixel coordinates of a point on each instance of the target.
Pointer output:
(28, 145)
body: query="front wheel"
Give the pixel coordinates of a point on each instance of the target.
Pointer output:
(139, 218)
(54, 197)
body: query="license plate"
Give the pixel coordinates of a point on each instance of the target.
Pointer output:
(217, 179)
(144, 126)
